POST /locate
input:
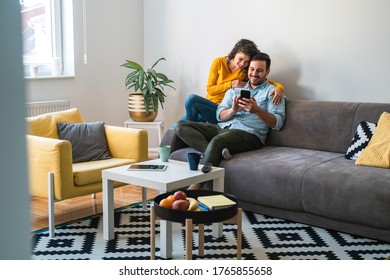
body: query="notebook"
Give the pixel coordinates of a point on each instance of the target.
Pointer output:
(215, 202)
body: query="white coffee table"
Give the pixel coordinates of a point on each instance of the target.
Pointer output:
(177, 175)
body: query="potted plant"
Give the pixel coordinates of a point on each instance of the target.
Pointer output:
(144, 106)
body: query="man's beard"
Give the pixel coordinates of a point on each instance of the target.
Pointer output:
(258, 82)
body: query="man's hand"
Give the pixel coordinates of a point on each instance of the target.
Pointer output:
(248, 104)
(227, 114)
(251, 106)
(236, 105)
(278, 95)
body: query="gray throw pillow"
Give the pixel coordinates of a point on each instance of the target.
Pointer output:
(88, 140)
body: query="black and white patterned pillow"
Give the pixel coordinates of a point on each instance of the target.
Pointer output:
(363, 134)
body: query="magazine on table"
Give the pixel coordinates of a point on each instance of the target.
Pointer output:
(215, 202)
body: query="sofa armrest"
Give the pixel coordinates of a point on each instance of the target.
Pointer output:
(49, 155)
(170, 138)
(128, 143)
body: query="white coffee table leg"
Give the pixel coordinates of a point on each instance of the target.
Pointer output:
(165, 239)
(218, 185)
(108, 209)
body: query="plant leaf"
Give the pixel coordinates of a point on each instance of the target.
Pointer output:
(150, 87)
(157, 62)
(132, 65)
(154, 102)
(141, 79)
(153, 74)
(161, 97)
(131, 78)
(162, 76)
(146, 100)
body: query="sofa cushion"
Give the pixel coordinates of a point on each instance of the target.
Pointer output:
(272, 176)
(324, 126)
(370, 112)
(377, 153)
(88, 140)
(340, 190)
(90, 172)
(46, 125)
(360, 141)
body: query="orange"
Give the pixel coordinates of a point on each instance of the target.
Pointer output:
(171, 198)
(165, 202)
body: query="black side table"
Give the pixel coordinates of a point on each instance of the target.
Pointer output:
(229, 215)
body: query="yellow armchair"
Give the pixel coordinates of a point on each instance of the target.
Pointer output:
(52, 174)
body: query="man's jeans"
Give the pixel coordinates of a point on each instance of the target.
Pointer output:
(211, 139)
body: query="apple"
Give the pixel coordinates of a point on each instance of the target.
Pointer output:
(180, 195)
(181, 205)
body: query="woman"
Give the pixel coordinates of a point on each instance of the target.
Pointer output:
(225, 73)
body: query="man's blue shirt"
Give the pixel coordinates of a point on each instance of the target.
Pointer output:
(250, 122)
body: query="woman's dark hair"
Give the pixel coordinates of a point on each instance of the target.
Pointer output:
(247, 47)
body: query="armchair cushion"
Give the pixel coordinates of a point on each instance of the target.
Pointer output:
(88, 140)
(46, 125)
(90, 172)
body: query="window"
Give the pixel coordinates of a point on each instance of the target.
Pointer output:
(43, 37)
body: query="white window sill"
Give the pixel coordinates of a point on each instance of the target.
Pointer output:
(50, 77)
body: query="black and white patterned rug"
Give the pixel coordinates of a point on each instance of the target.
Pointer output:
(264, 238)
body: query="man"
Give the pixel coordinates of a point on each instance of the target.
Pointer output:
(243, 123)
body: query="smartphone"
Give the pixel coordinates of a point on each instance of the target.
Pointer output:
(245, 94)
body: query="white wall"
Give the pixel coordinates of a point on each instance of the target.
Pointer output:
(324, 50)
(114, 33)
(14, 194)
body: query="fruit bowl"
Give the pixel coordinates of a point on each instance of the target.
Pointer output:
(198, 217)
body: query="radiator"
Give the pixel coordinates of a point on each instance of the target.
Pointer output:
(43, 107)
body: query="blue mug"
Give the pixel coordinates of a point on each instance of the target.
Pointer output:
(193, 160)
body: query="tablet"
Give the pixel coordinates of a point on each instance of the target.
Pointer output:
(147, 167)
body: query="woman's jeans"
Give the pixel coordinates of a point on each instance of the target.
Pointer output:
(200, 109)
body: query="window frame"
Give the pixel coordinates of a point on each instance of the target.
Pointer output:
(66, 67)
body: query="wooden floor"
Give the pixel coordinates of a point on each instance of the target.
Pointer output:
(76, 208)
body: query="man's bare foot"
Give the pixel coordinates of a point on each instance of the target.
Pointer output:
(195, 187)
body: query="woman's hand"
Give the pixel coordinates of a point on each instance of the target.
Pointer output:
(238, 83)
(278, 95)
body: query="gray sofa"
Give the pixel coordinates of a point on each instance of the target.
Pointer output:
(302, 175)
